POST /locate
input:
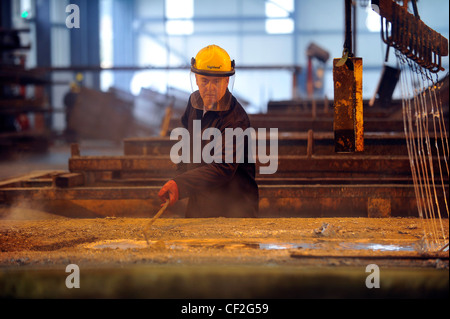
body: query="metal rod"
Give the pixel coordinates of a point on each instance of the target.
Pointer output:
(444, 247)
(159, 213)
(416, 12)
(348, 27)
(354, 28)
(96, 68)
(390, 257)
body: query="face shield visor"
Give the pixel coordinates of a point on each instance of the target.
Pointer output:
(211, 90)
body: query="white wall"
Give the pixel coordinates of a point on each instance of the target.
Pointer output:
(240, 29)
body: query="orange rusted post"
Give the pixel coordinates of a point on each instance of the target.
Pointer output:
(348, 106)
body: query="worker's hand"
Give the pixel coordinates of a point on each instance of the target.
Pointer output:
(169, 192)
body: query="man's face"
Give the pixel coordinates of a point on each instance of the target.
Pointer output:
(212, 88)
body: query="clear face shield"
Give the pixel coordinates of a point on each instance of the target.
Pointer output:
(210, 92)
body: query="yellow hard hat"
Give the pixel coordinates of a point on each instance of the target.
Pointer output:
(213, 61)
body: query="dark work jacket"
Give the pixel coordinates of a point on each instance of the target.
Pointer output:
(218, 189)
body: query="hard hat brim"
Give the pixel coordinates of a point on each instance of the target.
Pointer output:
(213, 73)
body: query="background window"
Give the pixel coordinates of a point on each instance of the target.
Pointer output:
(179, 14)
(279, 16)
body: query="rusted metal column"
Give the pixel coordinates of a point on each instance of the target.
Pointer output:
(348, 102)
(348, 106)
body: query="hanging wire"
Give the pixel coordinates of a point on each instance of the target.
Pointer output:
(421, 109)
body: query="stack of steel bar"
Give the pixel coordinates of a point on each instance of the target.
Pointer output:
(311, 179)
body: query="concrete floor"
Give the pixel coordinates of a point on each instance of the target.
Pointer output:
(219, 258)
(34, 254)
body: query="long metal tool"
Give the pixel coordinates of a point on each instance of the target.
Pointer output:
(410, 35)
(159, 213)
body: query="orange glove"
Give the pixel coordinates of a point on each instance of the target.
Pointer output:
(169, 192)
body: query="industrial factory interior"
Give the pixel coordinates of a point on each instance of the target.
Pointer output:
(224, 154)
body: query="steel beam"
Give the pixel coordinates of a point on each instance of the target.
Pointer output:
(331, 166)
(279, 197)
(303, 123)
(275, 201)
(289, 143)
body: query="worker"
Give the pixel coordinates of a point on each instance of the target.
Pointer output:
(70, 100)
(218, 188)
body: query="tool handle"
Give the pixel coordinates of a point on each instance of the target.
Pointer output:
(159, 213)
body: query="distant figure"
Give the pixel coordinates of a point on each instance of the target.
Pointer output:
(69, 104)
